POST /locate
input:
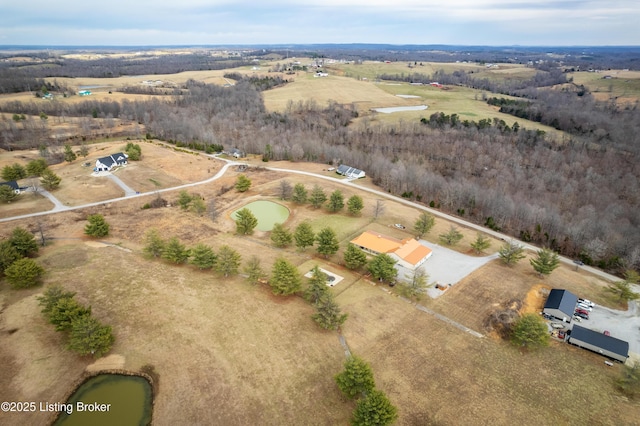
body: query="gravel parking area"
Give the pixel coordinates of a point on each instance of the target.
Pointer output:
(622, 325)
(447, 266)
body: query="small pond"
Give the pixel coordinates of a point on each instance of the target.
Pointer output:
(268, 214)
(126, 400)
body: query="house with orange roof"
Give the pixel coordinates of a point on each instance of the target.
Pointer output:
(408, 253)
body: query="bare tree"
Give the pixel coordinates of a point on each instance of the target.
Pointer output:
(378, 209)
(213, 209)
(285, 190)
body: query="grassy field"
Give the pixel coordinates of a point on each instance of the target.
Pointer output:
(622, 86)
(259, 359)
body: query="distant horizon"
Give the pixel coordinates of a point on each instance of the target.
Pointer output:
(247, 22)
(319, 44)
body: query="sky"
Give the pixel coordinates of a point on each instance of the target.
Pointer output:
(233, 22)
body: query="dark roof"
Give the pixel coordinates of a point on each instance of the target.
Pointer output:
(116, 158)
(343, 169)
(12, 183)
(600, 340)
(563, 300)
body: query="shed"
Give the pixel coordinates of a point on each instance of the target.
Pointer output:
(560, 304)
(600, 343)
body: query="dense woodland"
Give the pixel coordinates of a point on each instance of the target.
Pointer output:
(579, 195)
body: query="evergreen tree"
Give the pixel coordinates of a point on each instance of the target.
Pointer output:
(423, 224)
(184, 200)
(13, 172)
(24, 242)
(285, 278)
(317, 197)
(304, 236)
(623, 289)
(374, 409)
(452, 236)
(154, 244)
(97, 226)
(336, 201)
(36, 167)
(354, 258)
(382, 267)
(328, 314)
(356, 379)
(545, 262)
(254, 271)
(327, 242)
(7, 194)
(8, 255)
(481, 243)
(203, 257)
(133, 151)
(23, 273)
(228, 261)
(530, 331)
(50, 180)
(280, 236)
(355, 205)
(245, 222)
(175, 251)
(197, 205)
(51, 296)
(69, 155)
(299, 194)
(511, 253)
(317, 286)
(65, 311)
(89, 337)
(243, 183)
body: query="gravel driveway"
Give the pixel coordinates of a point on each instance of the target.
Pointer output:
(622, 325)
(447, 266)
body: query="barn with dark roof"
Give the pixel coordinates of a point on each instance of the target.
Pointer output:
(560, 304)
(600, 343)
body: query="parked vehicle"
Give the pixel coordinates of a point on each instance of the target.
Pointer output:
(583, 316)
(585, 307)
(587, 302)
(606, 333)
(578, 262)
(399, 225)
(562, 334)
(581, 311)
(557, 325)
(577, 318)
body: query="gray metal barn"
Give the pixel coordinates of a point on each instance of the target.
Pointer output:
(560, 304)
(600, 343)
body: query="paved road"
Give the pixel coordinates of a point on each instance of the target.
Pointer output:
(57, 205)
(60, 207)
(340, 181)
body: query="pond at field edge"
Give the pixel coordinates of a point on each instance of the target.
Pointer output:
(128, 400)
(268, 213)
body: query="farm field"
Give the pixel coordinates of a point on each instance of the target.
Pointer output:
(258, 358)
(623, 86)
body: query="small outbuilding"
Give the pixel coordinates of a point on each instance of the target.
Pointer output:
(560, 304)
(600, 343)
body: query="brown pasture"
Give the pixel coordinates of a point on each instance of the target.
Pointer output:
(227, 352)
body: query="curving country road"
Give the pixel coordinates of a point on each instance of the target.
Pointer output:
(230, 163)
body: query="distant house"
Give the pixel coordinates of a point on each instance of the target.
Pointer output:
(321, 74)
(350, 172)
(13, 185)
(408, 253)
(236, 153)
(84, 92)
(560, 304)
(105, 164)
(600, 343)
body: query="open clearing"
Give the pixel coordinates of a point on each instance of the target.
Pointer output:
(230, 353)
